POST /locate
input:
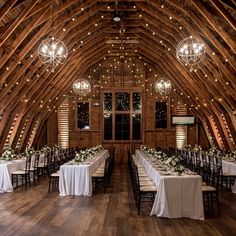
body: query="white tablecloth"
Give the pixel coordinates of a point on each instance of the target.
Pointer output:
(230, 167)
(177, 196)
(6, 168)
(76, 179)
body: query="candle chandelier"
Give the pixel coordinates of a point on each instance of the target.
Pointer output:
(81, 87)
(163, 86)
(190, 51)
(52, 51)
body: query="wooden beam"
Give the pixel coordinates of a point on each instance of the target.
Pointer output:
(6, 9)
(16, 23)
(218, 28)
(224, 13)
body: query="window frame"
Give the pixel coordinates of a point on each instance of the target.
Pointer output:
(130, 112)
(76, 115)
(168, 114)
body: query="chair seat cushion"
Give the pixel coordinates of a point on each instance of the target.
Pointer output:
(55, 174)
(144, 179)
(41, 165)
(98, 174)
(208, 188)
(143, 176)
(151, 188)
(228, 175)
(18, 172)
(146, 183)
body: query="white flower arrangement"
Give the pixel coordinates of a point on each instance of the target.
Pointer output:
(8, 153)
(83, 155)
(197, 148)
(213, 151)
(45, 149)
(57, 147)
(156, 154)
(230, 156)
(174, 163)
(187, 147)
(143, 147)
(29, 151)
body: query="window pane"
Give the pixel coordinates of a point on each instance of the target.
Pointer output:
(161, 115)
(107, 101)
(83, 115)
(136, 126)
(122, 127)
(136, 102)
(107, 126)
(122, 101)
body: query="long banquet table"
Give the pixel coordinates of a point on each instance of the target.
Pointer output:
(230, 167)
(76, 179)
(7, 167)
(177, 196)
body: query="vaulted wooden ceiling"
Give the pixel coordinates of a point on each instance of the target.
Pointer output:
(30, 92)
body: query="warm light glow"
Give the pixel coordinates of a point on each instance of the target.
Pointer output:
(52, 52)
(190, 51)
(163, 86)
(81, 87)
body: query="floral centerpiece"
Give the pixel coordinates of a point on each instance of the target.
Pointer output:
(57, 147)
(187, 147)
(147, 150)
(45, 149)
(143, 148)
(213, 151)
(174, 163)
(98, 148)
(83, 155)
(197, 148)
(29, 151)
(8, 153)
(161, 156)
(230, 156)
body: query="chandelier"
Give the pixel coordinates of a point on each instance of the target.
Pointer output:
(53, 52)
(81, 87)
(163, 86)
(190, 51)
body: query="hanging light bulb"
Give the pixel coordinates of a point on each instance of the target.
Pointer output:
(53, 52)
(163, 86)
(81, 87)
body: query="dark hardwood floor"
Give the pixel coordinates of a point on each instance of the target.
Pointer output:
(35, 212)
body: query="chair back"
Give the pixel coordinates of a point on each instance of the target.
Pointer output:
(27, 163)
(136, 179)
(36, 160)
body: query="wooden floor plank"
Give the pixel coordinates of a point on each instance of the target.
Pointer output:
(36, 212)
